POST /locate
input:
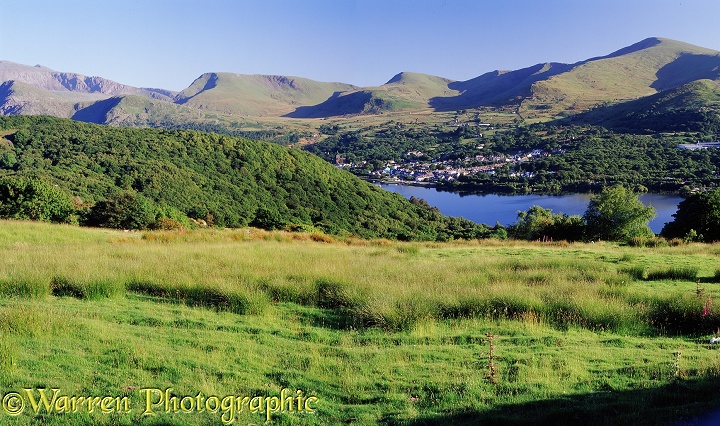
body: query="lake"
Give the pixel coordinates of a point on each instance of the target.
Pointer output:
(491, 208)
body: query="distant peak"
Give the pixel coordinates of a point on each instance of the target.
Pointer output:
(398, 77)
(641, 45)
(416, 77)
(664, 43)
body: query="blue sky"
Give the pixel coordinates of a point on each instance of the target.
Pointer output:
(169, 43)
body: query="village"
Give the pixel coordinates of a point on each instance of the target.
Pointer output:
(435, 170)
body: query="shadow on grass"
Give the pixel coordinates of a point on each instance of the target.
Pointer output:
(335, 319)
(686, 402)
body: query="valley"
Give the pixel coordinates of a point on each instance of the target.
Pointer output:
(550, 128)
(228, 238)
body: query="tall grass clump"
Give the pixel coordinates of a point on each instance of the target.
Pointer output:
(332, 294)
(233, 300)
(674, 273)
(602, 315)
(408, 312)
(637, 272)
(496, 306)
(30, 286)
(681, 314)
(92, 290)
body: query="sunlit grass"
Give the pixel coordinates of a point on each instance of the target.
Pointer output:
(382, 332)
(378, 283)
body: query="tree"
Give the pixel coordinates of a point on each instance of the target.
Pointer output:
(697, 217)
(269, 219)
(34, 199)
(542, 223)
(125, 210)
(616, 214)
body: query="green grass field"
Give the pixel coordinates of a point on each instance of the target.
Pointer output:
(371, 332)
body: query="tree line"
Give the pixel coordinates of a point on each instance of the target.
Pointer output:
(616, 214)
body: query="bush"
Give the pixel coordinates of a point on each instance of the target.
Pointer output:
(167, 224)
(652, 242)
(33, 199)
(125, 210)
(539, 223)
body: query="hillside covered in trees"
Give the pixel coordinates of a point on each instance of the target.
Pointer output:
(225, 181)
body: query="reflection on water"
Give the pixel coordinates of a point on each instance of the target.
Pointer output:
(491, 208)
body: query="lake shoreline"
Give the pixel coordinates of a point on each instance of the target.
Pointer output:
(490, 209)
(462, 192)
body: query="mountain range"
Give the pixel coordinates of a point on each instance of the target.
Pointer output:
(651, 67)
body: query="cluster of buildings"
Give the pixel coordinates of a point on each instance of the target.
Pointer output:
(699, 145)
(435, 170)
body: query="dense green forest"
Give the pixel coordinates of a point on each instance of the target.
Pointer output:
(692, 107)
(571, 158)
(223, 180)
(595, 158)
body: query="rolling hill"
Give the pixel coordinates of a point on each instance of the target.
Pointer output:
(229, 181)
(692, 107)
(256, 95)
(405, 91)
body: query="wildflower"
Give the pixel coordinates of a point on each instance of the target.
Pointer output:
(706, 309)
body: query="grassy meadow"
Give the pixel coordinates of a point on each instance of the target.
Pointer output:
(378, 332)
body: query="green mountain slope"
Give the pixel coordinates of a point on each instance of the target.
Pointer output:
(231, 181)
(643, 69)
(137, 111)
(405, 91)
(497, 87)
(691, 107)
(256, 95)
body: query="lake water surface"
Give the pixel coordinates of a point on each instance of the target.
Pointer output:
(493, 208)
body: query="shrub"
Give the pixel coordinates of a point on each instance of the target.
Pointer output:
(33, 199)
(697, 218)
(125, 210)
(167, 224)
(539, 223)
